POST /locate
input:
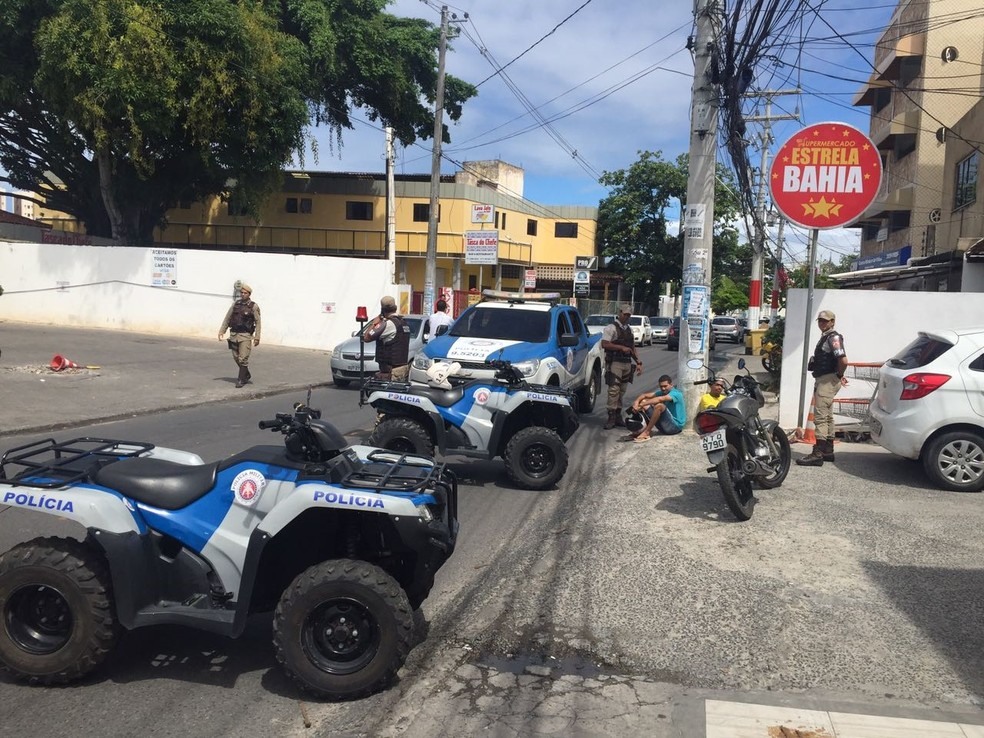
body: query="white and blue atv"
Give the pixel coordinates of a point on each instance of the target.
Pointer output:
(526, 424)
(341, 542)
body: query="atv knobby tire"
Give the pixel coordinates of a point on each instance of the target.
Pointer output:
(57, 620)
(402, 434)
(342, 629)
(536, 458)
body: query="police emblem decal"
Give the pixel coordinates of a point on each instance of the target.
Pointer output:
(247, 486)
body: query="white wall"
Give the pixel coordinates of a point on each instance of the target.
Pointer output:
(110, 287)
(876, 324)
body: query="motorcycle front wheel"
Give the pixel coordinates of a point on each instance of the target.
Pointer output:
(780, 465)
(736, 485)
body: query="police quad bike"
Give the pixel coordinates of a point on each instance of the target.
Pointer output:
(340, 542)
(526, 424)
(745, 450)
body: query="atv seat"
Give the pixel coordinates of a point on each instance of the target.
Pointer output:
(440, 397)
(157, 482)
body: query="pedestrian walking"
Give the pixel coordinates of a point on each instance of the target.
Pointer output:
(620, 352)
(392, 336)
(827, 365)
(438, 318)
(243, 323)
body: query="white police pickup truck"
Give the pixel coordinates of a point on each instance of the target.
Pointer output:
(547, 342)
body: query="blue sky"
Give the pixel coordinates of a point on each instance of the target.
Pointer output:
(612, 79)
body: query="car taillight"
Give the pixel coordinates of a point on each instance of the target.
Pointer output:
(921, 384)
(708, 423)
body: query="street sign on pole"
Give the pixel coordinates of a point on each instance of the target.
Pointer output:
(825, 175)
(586, 262)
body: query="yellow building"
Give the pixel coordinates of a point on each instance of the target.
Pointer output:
(345, 214)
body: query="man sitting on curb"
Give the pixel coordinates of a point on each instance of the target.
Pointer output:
(713, 396)
(664, 408)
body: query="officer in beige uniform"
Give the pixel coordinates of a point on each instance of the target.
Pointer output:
(392, 336)
(827, 365)
(243, 323)
(619, 346)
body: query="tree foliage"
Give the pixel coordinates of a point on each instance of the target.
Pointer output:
(632, 224)
(120, 109)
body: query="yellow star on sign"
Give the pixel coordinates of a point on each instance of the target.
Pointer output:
(822, 208)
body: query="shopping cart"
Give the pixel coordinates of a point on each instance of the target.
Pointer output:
(852, 416)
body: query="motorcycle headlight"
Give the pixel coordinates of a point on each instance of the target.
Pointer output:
(527, 368)
(422, 362)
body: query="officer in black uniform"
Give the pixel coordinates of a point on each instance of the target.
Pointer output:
(243, 323)
(827, 365)
(392, 336)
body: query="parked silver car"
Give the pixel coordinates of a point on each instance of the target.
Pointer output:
(661, 327)
(345, 356)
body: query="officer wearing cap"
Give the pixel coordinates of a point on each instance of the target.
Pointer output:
(620, 352)
(242, 320)
(392, 336)
(827, 365)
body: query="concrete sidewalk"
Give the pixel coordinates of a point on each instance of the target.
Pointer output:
(131, 373)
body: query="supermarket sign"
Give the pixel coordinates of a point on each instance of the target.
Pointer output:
(825, 175)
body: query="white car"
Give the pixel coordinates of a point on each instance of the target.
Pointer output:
(929, 405)
(345, 356)
(596, 323)
(642, 331)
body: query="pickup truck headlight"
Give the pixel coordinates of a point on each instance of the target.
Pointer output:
(527, 368)
(422, 362)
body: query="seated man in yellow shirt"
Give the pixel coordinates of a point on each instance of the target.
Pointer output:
(713, 396)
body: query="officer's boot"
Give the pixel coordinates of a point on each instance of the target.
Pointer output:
(612, 419)
(619, 419)
(248, 375)
(242, 377)
(828, 449)
(814, 458)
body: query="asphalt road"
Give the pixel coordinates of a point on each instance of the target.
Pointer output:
(613, 605)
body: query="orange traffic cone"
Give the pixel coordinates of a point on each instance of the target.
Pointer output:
(59, 362)
(809, 434)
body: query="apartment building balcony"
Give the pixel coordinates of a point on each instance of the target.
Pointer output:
(894, 201)
(867, 94)
(885, 132)
(897, 54)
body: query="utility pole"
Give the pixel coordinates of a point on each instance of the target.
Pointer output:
(390, 206)
(758, 245)
(697, 219)
(430, 268)
(775, 277)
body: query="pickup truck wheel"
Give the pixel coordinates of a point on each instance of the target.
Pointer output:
(342, 629)
(56, 610)
(536, 458)
(404, 435)
(588, 394)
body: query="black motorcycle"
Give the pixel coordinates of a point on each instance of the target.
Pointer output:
(744, 449)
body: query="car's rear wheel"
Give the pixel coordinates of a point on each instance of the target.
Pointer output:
(955, 461)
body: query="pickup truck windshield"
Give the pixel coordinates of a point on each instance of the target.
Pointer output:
(532, 326)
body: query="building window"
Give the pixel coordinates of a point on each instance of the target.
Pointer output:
(530, 227)
(565, 230)
(870, 232)
(909, 69)
(291, 205)
(422, 211)
(883, 96)
(965, 191)
(306, 206)
(898, 221)
(905, 144)
(358, 210)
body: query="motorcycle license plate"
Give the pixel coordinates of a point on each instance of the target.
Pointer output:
(713, 441)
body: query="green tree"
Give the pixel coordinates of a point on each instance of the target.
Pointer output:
(120, 109)
(727, 295)
(632, 224)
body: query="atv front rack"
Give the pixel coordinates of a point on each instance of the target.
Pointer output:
(49, 465)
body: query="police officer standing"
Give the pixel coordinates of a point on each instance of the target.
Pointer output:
(243, 323)
(827, 365)
(392, 336)
(619, 346)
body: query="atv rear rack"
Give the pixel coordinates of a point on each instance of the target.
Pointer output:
(48, 465)
(390, 471)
